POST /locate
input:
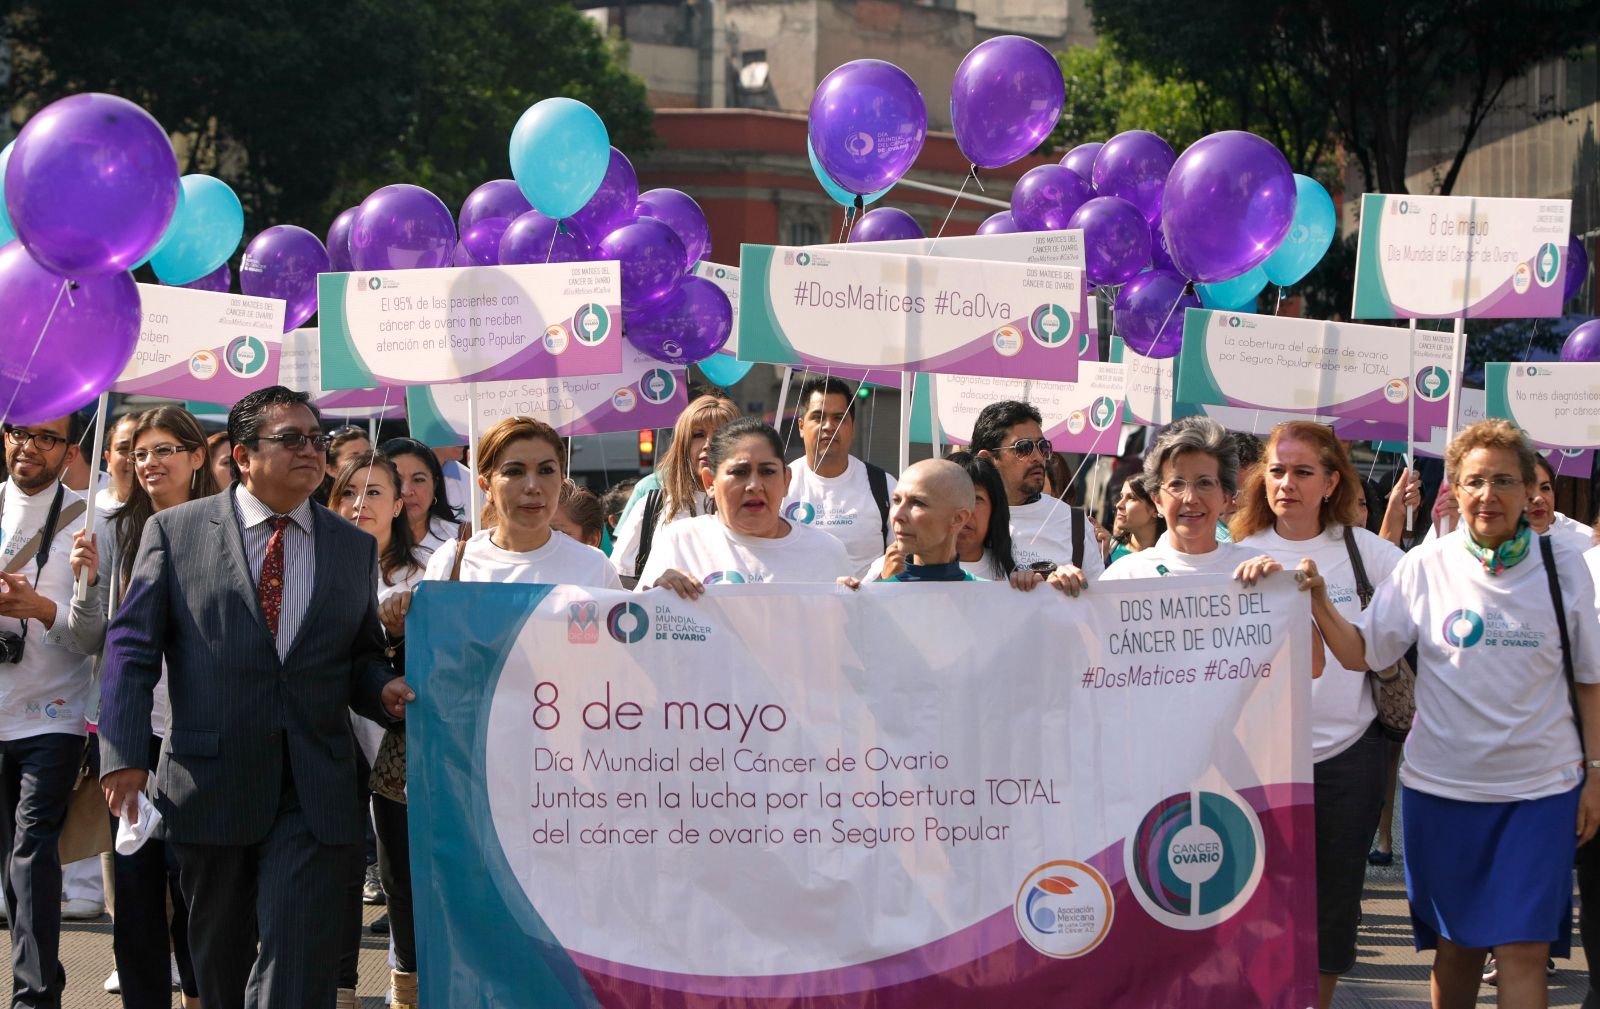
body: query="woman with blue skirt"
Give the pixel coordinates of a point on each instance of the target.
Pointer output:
(1495, 797)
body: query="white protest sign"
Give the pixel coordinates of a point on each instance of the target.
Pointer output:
(203, 345)
(1557, 404)
(302, 371)
(1083, 416)
(1472, 257)
(726, 278)
(469, 324)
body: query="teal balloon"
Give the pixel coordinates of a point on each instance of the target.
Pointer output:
(205, 231)
(1309, 236)
(1236, 295)
(560, 151)
(724, 369)
(166, 236)
(836, 192)
(7, 233)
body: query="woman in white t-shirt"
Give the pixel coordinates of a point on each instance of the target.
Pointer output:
(1303, 501)
(678, 492)
(422, 490)
(366, 491)
(1193, 471)
(1494, 792)
(1542, 514)
(170, 468)
(746, 539)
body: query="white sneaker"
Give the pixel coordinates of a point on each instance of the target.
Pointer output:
(81, 909)
(113, 984)
(177, 979)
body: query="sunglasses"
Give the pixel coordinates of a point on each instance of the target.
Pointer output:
(1023, 447)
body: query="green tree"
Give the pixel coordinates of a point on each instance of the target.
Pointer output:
(305, 106)
(1108, 94)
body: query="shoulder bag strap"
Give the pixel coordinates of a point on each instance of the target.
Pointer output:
(1548, 553)
(647, 530)
(39, 545)
(1077, 536)
(878, 481)
(1363, 583)
(461, 551)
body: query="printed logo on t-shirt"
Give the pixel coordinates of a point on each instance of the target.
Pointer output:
(1492, 629)
(800, 511)
(730, 577)
(57, 709)
(1463, 629)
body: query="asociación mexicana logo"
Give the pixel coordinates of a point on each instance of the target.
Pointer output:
(1064, 909)
(1196, 859)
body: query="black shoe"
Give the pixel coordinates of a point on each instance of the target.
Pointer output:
(1377, 857)
(372, 888)
(380, 925)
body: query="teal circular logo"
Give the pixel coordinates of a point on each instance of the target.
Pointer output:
(245, 356)
(801, 512)
(724, 578)
(1051, 325)
(1462, 629)
(1433, 383)
(657, 386)
(1547, 264)
(1196, 859)
(591, 325)
(374, 283)
(628, 623)
(1102, 413)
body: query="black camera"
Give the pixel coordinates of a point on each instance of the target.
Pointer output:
(11, 646)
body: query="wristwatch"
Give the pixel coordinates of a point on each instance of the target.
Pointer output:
(1042, 567)
(1593, 765)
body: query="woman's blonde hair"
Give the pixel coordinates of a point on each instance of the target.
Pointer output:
(1342, 507)
(1491, 434)
(679, 475)
(502, 436)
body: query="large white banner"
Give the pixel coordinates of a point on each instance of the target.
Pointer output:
(203, 345)
(914, 795)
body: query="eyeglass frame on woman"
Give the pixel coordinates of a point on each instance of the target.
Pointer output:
(164, 451)
(1043, 445)
(1202, 485)
(1500, 482)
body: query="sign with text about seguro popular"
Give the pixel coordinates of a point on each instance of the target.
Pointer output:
(469, 324)
(647, 393)
(1338, 369)
(769, 762)
(830, 308)
(302, 371)
(203, 345)
(1083, 416)
(1437, 257)
(1556, 404)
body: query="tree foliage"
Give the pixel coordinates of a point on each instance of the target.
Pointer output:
(305, 106)
(1108, 94)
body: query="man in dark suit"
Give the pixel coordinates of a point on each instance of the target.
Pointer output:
(263, 606)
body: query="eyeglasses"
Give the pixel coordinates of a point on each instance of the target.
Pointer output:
(44, 441)
(1203, 485)
(1501, 483)
(161, 453)
(1024, 447)
(294, 441)
(348, 429)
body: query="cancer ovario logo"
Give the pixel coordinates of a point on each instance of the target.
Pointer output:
(591, 324)
(1051, 325)
(800, 511)
(1547, 265)
(1433, 383)
(1462, 629)
(628, 623)
(1196, 859)
(657, 385)
(1064, 909)
(245, 356)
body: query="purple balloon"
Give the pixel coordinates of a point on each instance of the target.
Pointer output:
(482, 241)
(1002, 223)
(1116, 239)
(1134, 165)
(687, 326)
(1583, 343)
(886, 224)
(91, 185)
(652, 261)
(1006, 98)
(867, 122)
(535, 238)
(83, 342)
(1081, 159)
(1046, 197)
(339, 241)
(1149, 312)
(1229, 203)
(611, 206)
(1577, 267)
(679, 212)
(402, 227)
(283, 262)
(218, 281)
(501, 198)
(461, 257)
(1160, 259)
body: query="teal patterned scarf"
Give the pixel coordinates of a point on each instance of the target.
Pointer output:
(1508, 554)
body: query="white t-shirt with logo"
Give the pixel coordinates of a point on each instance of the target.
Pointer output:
(1161, 560)
(1042, 531)
(1341, 699)
(1494, 722)
(1579, 536)
(706, 549)
(841, 506)
(630, 531)
(48, 691)
(561, 561)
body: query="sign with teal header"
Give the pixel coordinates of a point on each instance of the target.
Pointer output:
(203, 345)
(1556, 404)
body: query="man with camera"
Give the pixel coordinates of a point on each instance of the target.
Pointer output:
(44, 691)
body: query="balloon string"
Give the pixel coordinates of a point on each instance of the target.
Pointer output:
(1280, 302)
(972, 176)
(552, 250)
(66, 286)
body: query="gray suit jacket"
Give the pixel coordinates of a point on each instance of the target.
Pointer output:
(236, 708)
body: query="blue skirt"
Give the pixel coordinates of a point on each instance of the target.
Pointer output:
(1485, 873)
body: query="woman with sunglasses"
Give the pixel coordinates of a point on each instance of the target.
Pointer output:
(170, 468)
(367, 492)
(1501, 777)
(423, 491)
